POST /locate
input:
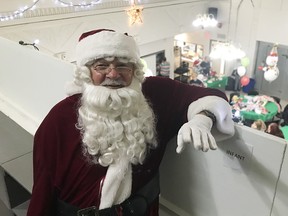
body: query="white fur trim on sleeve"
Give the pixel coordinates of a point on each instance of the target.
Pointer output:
(221, 109)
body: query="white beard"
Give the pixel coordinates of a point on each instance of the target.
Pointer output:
(116, 123)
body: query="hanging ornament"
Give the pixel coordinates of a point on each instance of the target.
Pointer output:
(272, 58)
(271, 74)
(271, 71)
(241, 70)
(274, 51)
(244, 80)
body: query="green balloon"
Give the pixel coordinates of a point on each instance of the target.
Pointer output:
(245, 61)
(145, 66)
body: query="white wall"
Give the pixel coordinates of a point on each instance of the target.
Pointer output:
(281, 199)
(272, 21)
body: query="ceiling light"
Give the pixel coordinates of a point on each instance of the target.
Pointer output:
(226, 51)
(205, 20)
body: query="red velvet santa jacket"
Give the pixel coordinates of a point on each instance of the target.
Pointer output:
(60, 169)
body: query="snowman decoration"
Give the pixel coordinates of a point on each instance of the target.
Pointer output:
(271, 71)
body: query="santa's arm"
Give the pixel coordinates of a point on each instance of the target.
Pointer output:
(209, 119)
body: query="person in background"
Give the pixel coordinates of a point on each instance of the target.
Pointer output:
(165, 68)
(236, 77)
(194, 79)
(284, 122)
(259, 125)
(284, 117)
(206, 66)
(274, 129)
(98, 151)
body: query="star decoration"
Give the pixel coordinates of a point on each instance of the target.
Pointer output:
(135, 13)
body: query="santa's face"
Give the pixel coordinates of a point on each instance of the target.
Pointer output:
(111, 72)
(116, 122)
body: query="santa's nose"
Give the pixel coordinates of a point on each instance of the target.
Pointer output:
(112, 73)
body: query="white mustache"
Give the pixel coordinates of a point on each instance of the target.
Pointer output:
(112, 82)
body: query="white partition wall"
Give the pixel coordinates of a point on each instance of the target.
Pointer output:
(280, 207)
(16, 146)
(240, 178)
(30, 83)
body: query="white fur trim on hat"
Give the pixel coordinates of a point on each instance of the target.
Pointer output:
(105, 44)
(221, 109)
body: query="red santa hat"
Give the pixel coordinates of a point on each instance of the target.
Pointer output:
(103, 43)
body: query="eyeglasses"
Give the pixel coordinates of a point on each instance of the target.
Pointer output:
(106, 69)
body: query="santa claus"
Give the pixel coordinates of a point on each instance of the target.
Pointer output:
(98, 151)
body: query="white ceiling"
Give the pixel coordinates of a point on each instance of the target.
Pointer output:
(58, 27)
(11, 5)
(8, 7)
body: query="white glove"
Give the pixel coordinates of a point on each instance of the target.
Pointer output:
(224, 126)
(198, 132)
